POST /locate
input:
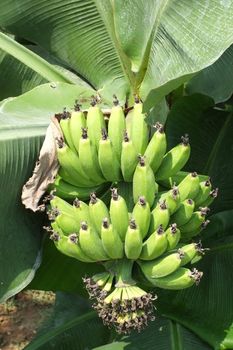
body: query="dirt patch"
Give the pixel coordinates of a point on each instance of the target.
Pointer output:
(21, 316)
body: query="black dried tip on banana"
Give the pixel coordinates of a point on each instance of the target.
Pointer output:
(93, 198)
(190, 201)
(142, 201)
(175, 191)
(84, 133)
(115, 100)
(185, 140)
(214, 193)
(196, 275)
(160, 230)
(73, 238)
(159, 127)
(48, 229)
(93, 288)
(205, 223)
(60, 142)
(93, 101)
(76, 203)
(126, 137)
(65, 114)
(173, 228)
(105, 223)
(137, 99)
(77, 106)
(104, 134)
(141, 160)
(132, 224)
(84, 225)
(126, 315)
(194, 174)
(114, 193)
(55, 236)
(163, 205)
(204, 211)
(53, 213)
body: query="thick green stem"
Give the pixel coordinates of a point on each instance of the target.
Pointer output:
(124, 273)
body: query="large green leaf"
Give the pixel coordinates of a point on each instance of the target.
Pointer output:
(216, 80)
(210, 130)
(24, 120)
(118, 46)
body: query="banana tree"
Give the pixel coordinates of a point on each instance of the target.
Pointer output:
(59, 51)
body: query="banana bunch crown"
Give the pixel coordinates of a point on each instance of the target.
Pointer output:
(156, 239)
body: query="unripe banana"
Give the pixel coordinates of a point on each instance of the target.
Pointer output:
(186, 236)
(67, 223)
(197, 218)
(144, 182)
(180, 279)
(62, 206)
(174, 160)
(203, 194)
(95, 123)
(68, 191)
(116, 128)
(129, 158)
(65, 126)
(141, 213)
(184, 212)
(213, 194)
(133, 241)
(68, 245)
(81, 212)
(71, 170)
(91, 244)
(108, 162)
(178, 177)
(173, 236)
(159, 216)
(172, 199)
(189, 186)
(77, 122)
(161, 267)
(98, 211)
(154, 246)
(119, 214)
(156, 148)
(190, 251)
(111, 241)
(138, 128)
(89, 159)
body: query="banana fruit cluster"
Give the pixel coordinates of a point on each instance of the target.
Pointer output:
(156, 237)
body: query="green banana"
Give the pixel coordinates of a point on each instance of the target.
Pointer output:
(141, 213)
(65, 127)
(173, 236)
(89, 159)
(177, 178)
(116, 127)
(162, 266)
(108, 162)
(133, 241)
(119, 214)
(111, 241)
(71, 170)
(190, 251)
(95, 123)
(81, 212)
(189, 186)
(213, 194)
(203, 194)
(67, 223)
(180, 279)
(159, 216)
(68, 245)
(138, 128)
(129, 158)
(62, 206)
(98, 211)
(67, 191)
(184, 212)
(154, 246)
(144, 182)
(186, 236)
(156, 148)
(77, 122)
(197, 218)
(91, 244)
(174, 160)
(172, 199)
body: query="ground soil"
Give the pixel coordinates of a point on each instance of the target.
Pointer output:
(21, 316)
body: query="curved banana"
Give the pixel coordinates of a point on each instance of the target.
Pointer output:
(67, 223)
(77, 122)
(65, 127)
(95, 123)
(116, 127)
(162, 266)
(81, 212)
(172, 199)
(186, 236)
(138, 128)
(180, 279)
(174, 160)
(190, 251)
(119, 214)
(159, 216)
(108, 162)
(141, 213)
(189, 186)
(89, 159)
(156, 148)
(173, 236)
(133, 241)
(154, 246)
(197, 218)
(129, 158)
(144, 182)
(184, 212)
(62, 206)
(203, 194)
(111, 241)
(213, 194)
(91, 244)
(98, 211)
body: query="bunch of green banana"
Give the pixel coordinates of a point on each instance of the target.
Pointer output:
(154, 237)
